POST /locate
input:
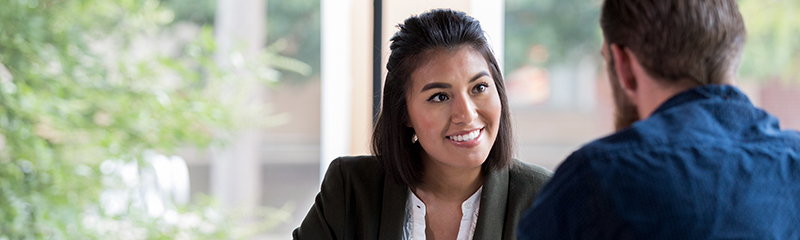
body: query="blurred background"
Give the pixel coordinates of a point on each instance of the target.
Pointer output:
(214, 119)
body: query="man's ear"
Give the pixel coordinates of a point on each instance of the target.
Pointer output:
(623, 67)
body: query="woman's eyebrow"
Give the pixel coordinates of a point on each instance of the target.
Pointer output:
(479, 75)
(433, 85)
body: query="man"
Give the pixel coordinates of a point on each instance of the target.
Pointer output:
(692, 157)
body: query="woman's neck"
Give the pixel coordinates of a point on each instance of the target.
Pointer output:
(449, 183)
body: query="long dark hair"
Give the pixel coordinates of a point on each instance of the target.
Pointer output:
(418, 36)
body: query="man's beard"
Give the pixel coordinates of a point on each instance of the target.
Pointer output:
(625, 113)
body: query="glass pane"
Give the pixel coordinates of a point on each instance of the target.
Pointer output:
(559, 91)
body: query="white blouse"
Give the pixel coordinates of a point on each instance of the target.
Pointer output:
(415, 217)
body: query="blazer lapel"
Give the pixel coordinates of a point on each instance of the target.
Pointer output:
(393, 210)
(491, 215)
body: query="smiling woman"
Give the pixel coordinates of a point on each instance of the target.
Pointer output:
(454, 109)
(442, 167)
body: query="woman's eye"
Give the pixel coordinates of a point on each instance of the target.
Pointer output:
(439, 97)
(480, 88)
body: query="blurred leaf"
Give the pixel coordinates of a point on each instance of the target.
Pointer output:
(565, 29)
(84, 81)
(772, 49)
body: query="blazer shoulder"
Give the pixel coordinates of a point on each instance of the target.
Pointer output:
(358, 167)
(346, 201)
(526, 174)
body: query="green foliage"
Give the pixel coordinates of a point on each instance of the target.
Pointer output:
(297, 24)
(201, 12)
(772, 49)
(565, 30)
(568, 28)
(80, 84)
(293, 29)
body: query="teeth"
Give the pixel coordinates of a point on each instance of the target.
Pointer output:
(466, 137)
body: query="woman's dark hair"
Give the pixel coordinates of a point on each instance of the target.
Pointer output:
(413, 45)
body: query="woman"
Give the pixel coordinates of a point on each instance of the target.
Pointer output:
(442, 167)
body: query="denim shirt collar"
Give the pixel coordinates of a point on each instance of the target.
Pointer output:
(712, 91)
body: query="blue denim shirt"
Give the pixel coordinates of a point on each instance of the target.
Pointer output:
(706, 164)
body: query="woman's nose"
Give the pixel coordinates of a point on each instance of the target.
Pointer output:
(463, 110)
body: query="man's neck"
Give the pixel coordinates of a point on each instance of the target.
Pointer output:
(656, 94)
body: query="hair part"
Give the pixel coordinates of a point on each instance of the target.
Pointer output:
(413, 45)
(698, 40)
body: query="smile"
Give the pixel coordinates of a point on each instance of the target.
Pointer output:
(466, 137)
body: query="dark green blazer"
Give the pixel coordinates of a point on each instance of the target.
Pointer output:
(357, 200)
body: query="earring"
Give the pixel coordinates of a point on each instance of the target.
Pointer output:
(414, 138)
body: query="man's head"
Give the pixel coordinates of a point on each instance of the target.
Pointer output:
(674, 42)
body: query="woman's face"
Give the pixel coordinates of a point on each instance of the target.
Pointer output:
(454, 108)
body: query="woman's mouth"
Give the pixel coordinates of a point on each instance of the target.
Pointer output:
(466, 137)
